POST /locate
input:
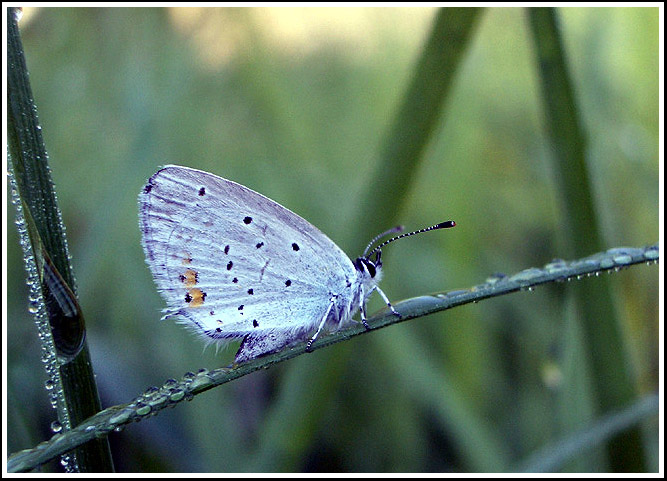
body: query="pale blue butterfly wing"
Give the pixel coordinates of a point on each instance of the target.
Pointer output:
(231, 263)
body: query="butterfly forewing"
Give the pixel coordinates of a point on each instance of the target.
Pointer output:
(234, 262)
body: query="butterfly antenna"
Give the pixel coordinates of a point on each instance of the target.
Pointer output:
(441, 225)
(398, 228)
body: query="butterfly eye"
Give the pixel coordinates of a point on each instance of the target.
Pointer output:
(371, 268)
(362, 264)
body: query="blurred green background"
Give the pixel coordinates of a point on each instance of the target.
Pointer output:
(294, 103)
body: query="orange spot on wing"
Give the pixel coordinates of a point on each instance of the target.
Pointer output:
(196, 297)
(189, 277)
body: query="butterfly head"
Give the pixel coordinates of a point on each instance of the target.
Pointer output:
(369, 267)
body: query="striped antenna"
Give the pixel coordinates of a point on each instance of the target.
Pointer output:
(398, 228)
(441, 225)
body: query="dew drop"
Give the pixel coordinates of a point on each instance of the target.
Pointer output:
(151, 390)
(157, 402)
(495, 277)
(606, 263)
(177, 395)
(623, 259)
(143, 409)
(120, 417)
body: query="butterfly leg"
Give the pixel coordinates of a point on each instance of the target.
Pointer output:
(322, 322)
(386, 299)
(362, 307)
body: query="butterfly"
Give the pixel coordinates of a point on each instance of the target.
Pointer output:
(233, 264)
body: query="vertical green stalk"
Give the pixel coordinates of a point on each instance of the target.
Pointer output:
(62, 330)
(417, 117)
(603, 346)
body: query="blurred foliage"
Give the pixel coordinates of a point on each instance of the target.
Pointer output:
(294, 103)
